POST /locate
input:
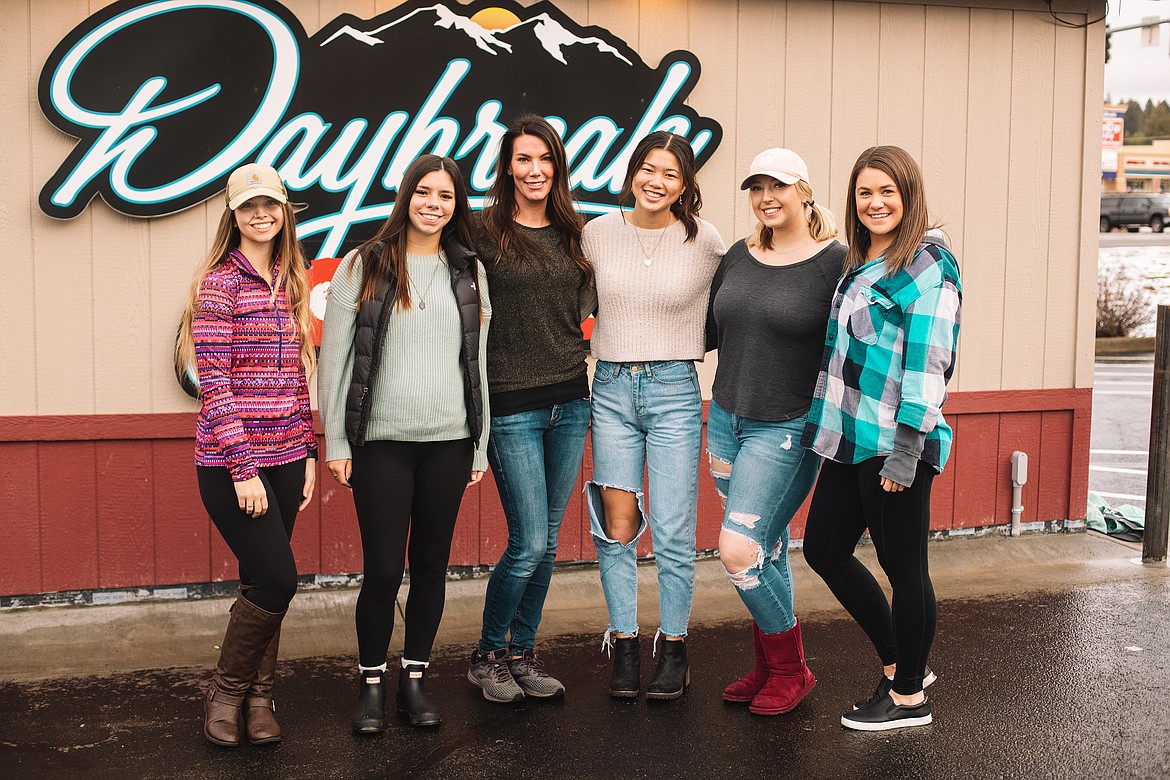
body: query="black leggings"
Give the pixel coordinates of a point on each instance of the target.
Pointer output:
(400, 486)
(260, 544)
(849, 498)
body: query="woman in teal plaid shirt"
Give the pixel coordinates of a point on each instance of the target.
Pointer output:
(876, 419)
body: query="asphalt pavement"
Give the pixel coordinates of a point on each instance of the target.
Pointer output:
(1053, 656)
(1120, 440)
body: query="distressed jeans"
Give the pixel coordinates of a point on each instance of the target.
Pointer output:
(763, 475)
(647, 414)
(535, 458)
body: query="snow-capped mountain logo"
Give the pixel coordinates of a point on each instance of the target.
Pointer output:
(169, 96)
(553, 35)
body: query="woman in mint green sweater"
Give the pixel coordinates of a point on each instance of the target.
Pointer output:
(403, 394)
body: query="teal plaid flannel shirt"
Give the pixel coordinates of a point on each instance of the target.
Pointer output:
(889, 353)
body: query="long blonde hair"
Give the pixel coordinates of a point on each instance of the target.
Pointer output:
(292, 279)
(821, 225)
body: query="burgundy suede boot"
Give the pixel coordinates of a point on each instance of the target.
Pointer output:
(789, 679)
(745, 688)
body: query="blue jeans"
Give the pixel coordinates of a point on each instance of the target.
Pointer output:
(763, 474)
(648, 413)
(535, 458)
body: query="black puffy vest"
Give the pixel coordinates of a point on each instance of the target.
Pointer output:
(370, 335)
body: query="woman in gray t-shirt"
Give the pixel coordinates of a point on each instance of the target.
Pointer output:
(769, 307)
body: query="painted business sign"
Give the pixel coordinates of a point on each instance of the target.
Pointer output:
(167, 97)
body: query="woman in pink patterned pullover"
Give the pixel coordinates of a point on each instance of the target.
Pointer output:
(246, 330)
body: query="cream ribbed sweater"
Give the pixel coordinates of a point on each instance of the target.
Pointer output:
(656, 311)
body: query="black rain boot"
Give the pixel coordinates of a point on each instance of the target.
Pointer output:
(672, 676)
(412, 699)
(369, 717)
(626, 680)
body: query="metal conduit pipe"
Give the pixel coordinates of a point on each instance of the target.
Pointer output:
(1019, 479)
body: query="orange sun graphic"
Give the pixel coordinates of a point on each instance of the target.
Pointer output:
(495, 18)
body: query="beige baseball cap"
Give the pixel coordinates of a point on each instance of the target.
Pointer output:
(782, 164)
(248, 181)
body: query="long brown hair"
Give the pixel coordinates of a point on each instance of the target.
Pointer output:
(686, 207)
(498, 217)
(291, 278)
(896, 163)
(384, 255)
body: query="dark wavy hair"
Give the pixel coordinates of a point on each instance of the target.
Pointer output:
(686, 208)
(498, 217)
(384, 255)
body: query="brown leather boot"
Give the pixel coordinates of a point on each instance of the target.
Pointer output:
(789, 679)
(249, 633)
(745, 688)
(259, 707)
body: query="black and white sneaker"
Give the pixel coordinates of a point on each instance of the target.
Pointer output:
(884, 715)
(886, 684)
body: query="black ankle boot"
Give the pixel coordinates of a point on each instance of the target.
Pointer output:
(412, 699)
(672, 676)
(626, 680)
(369, 717)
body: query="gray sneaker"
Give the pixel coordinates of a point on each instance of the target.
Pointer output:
(528, 671)
(490, 672)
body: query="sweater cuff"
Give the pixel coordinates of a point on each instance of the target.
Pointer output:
(902, 464)
(337, 449)
(479, 461)
(242, 472)
(909, 440)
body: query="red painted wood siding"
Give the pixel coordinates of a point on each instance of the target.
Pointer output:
(110, 501)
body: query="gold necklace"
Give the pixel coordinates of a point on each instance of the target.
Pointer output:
(422, 303)
(649, 257)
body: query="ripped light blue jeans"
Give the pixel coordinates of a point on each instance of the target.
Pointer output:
(763, 475)
(647, 414)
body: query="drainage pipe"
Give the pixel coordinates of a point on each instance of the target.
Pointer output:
(1019, 479)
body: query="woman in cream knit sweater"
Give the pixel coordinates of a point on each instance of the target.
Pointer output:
(653, 268)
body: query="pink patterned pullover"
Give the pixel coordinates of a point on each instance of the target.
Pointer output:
(255, 396)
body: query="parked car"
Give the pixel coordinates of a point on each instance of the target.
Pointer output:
(1134, 209)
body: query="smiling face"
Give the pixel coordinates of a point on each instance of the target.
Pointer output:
(431, 205)
(657, 184)
(260, 220)
(777, 205)
(879, 208)
(532, 170)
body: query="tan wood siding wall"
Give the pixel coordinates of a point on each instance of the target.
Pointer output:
(999, 103)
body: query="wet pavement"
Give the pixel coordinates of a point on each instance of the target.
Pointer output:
(1069, 682)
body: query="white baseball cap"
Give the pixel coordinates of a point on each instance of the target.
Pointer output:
(782, 164)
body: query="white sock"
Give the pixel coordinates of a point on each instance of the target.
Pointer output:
(407, 662)
(379, 668)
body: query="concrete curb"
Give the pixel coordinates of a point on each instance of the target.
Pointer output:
(151, 635)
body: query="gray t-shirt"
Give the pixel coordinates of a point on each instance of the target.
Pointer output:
(771, 323)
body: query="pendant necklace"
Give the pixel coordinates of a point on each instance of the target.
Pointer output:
(422, 303)
(649, 256)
